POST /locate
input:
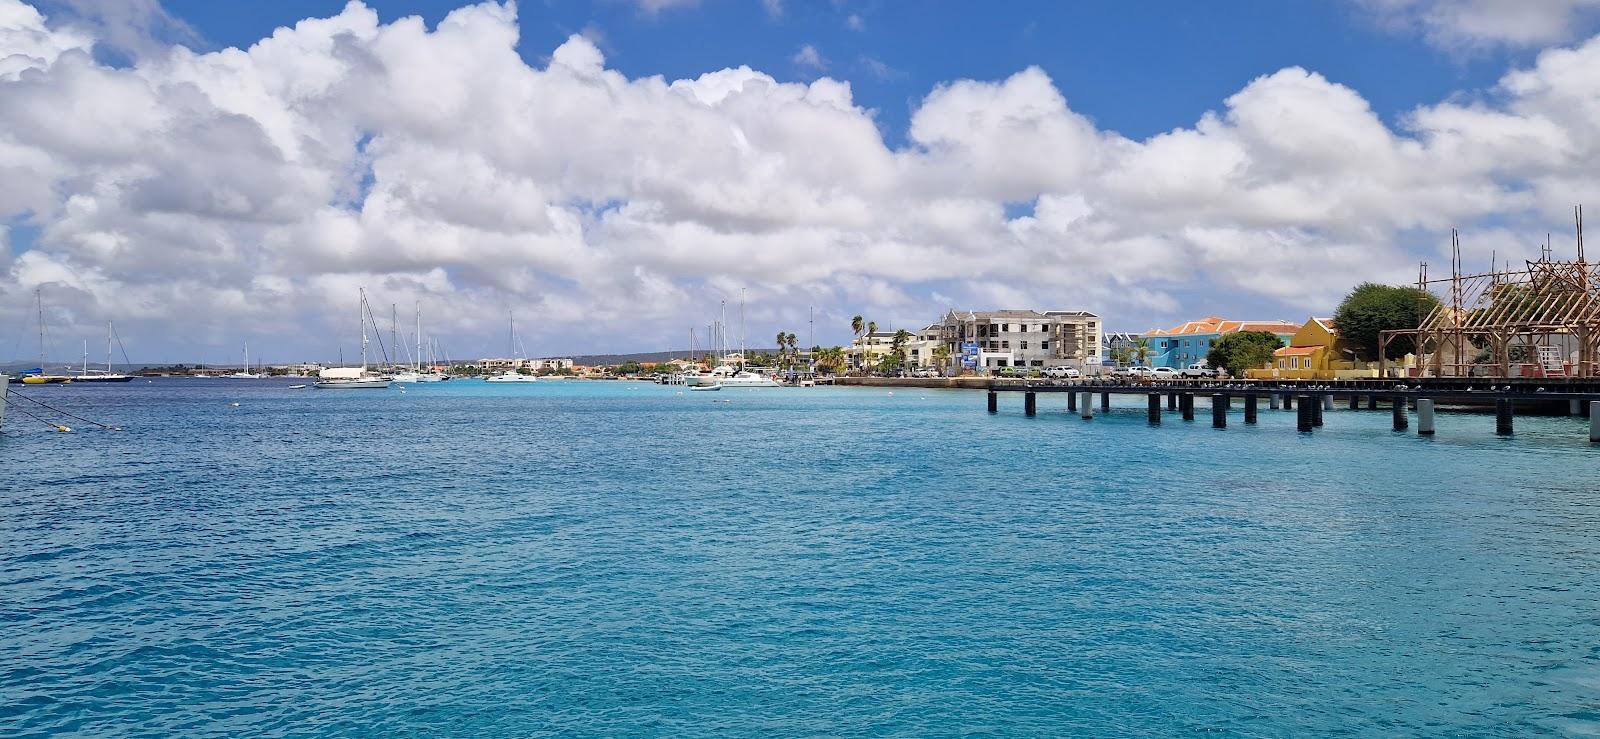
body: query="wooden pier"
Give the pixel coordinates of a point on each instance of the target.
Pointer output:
(1309, 399)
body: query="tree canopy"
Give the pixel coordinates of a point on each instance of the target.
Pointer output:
(1243, 350)
(1372, 308)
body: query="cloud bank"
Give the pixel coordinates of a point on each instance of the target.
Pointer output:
(200, 198)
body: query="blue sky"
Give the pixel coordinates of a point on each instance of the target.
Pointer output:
(1135, 68)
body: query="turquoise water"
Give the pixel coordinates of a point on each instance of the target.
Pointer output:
(628, 560)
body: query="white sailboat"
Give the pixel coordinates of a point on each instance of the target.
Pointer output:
(99, 375)
(415, 373)
(511, 375)
(244, 374)
(353, 378)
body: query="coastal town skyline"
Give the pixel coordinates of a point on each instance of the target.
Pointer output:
(206, 189)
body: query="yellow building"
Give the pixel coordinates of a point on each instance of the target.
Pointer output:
(1313, 353)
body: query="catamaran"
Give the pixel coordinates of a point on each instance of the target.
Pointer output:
(353, 378)
(511, 375)
(99, 375)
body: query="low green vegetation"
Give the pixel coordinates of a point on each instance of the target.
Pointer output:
(1243, 350)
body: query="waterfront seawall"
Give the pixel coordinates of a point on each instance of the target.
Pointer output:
(941, 383)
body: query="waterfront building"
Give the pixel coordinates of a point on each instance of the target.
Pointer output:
(1118, 344)
(1185, 344)
(535, 365)
(988, 341)
(1313, 353)
(868, 349)
(921, 349)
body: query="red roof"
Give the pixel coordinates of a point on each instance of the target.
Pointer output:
(1215, 325)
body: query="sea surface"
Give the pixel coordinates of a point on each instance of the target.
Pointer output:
(625, 559)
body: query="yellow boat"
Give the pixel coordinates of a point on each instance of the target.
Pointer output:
(45, 379)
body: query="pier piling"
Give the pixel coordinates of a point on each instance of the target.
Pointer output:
(1272, 401)
(1086, 405)
(1105, 402)
(1172, 401)
(1327, 404)
(1574, 407)
(994, 402)
(1219, 411)
(1186, 404)
(1303, 418)
(1250, 408)
(1372, 402)
(1288, 402)
(1154, 411)
(1355, 402)
(1317, 408)
(1401, 418)
(1424, 417)
(1594, 422)
(1030, 403)
(1503, 411)
(1072, 402)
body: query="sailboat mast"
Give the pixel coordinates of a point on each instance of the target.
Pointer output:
(86, 356)
(743, 349)
(38, 301)
(108, 347)
(394, 331)
(416, 359)
(362, 311)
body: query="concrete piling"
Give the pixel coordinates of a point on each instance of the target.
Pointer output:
(1594, 422)
(1172, 401)
(1219, 411)
(1272, 401)
(1154, 411)
(994, 402)
(1574, 407)
(1355, 402)
(1250, 408)
(1288, 402)
(1086, 405)
(1317, 408)
(1372, 402)
(1186, 404)
(1105, 402)
(1401, 418)
(1030, 403)
(1504, 409)
(1424, 417)
(1303, 420)
(1327, 402)
(1072, 402)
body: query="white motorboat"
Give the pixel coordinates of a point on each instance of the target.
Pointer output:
(705, 388)
(511, 377)
(353, 383)
(406, 376)
(728, 376)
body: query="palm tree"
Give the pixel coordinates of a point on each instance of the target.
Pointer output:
(855, 328)
(1141, 351)
(899, 345)
(941, 356)
(780, 348)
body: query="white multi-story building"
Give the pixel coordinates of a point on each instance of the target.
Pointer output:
(993, 340)
(521, 363)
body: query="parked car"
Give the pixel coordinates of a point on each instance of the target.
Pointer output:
(925, 372)
(1198, 369)
(1164, 373)
(1062, 373)
(1144, 372)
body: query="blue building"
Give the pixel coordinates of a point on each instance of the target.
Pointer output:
(1181, 346)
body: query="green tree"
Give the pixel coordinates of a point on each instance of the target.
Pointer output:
(941, 356)
(1372, 308)
(1243, 350)
(856, 326)
(1140, 353)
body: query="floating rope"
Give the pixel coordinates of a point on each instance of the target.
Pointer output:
(62, 412)
(56, 426)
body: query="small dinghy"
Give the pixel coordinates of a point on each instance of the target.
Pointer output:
(297, 387)
(705, 388)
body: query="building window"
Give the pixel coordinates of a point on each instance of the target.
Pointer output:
(999, 362)
(1022, 345)
(1038, 362)
(1044, 345)
(1005, 345)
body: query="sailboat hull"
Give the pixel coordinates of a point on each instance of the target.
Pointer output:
(103, 378)
(364, 384)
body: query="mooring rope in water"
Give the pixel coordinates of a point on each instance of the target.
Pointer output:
(58, 410)
(56, 426)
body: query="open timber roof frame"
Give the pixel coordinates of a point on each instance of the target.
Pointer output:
(1503, 310)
